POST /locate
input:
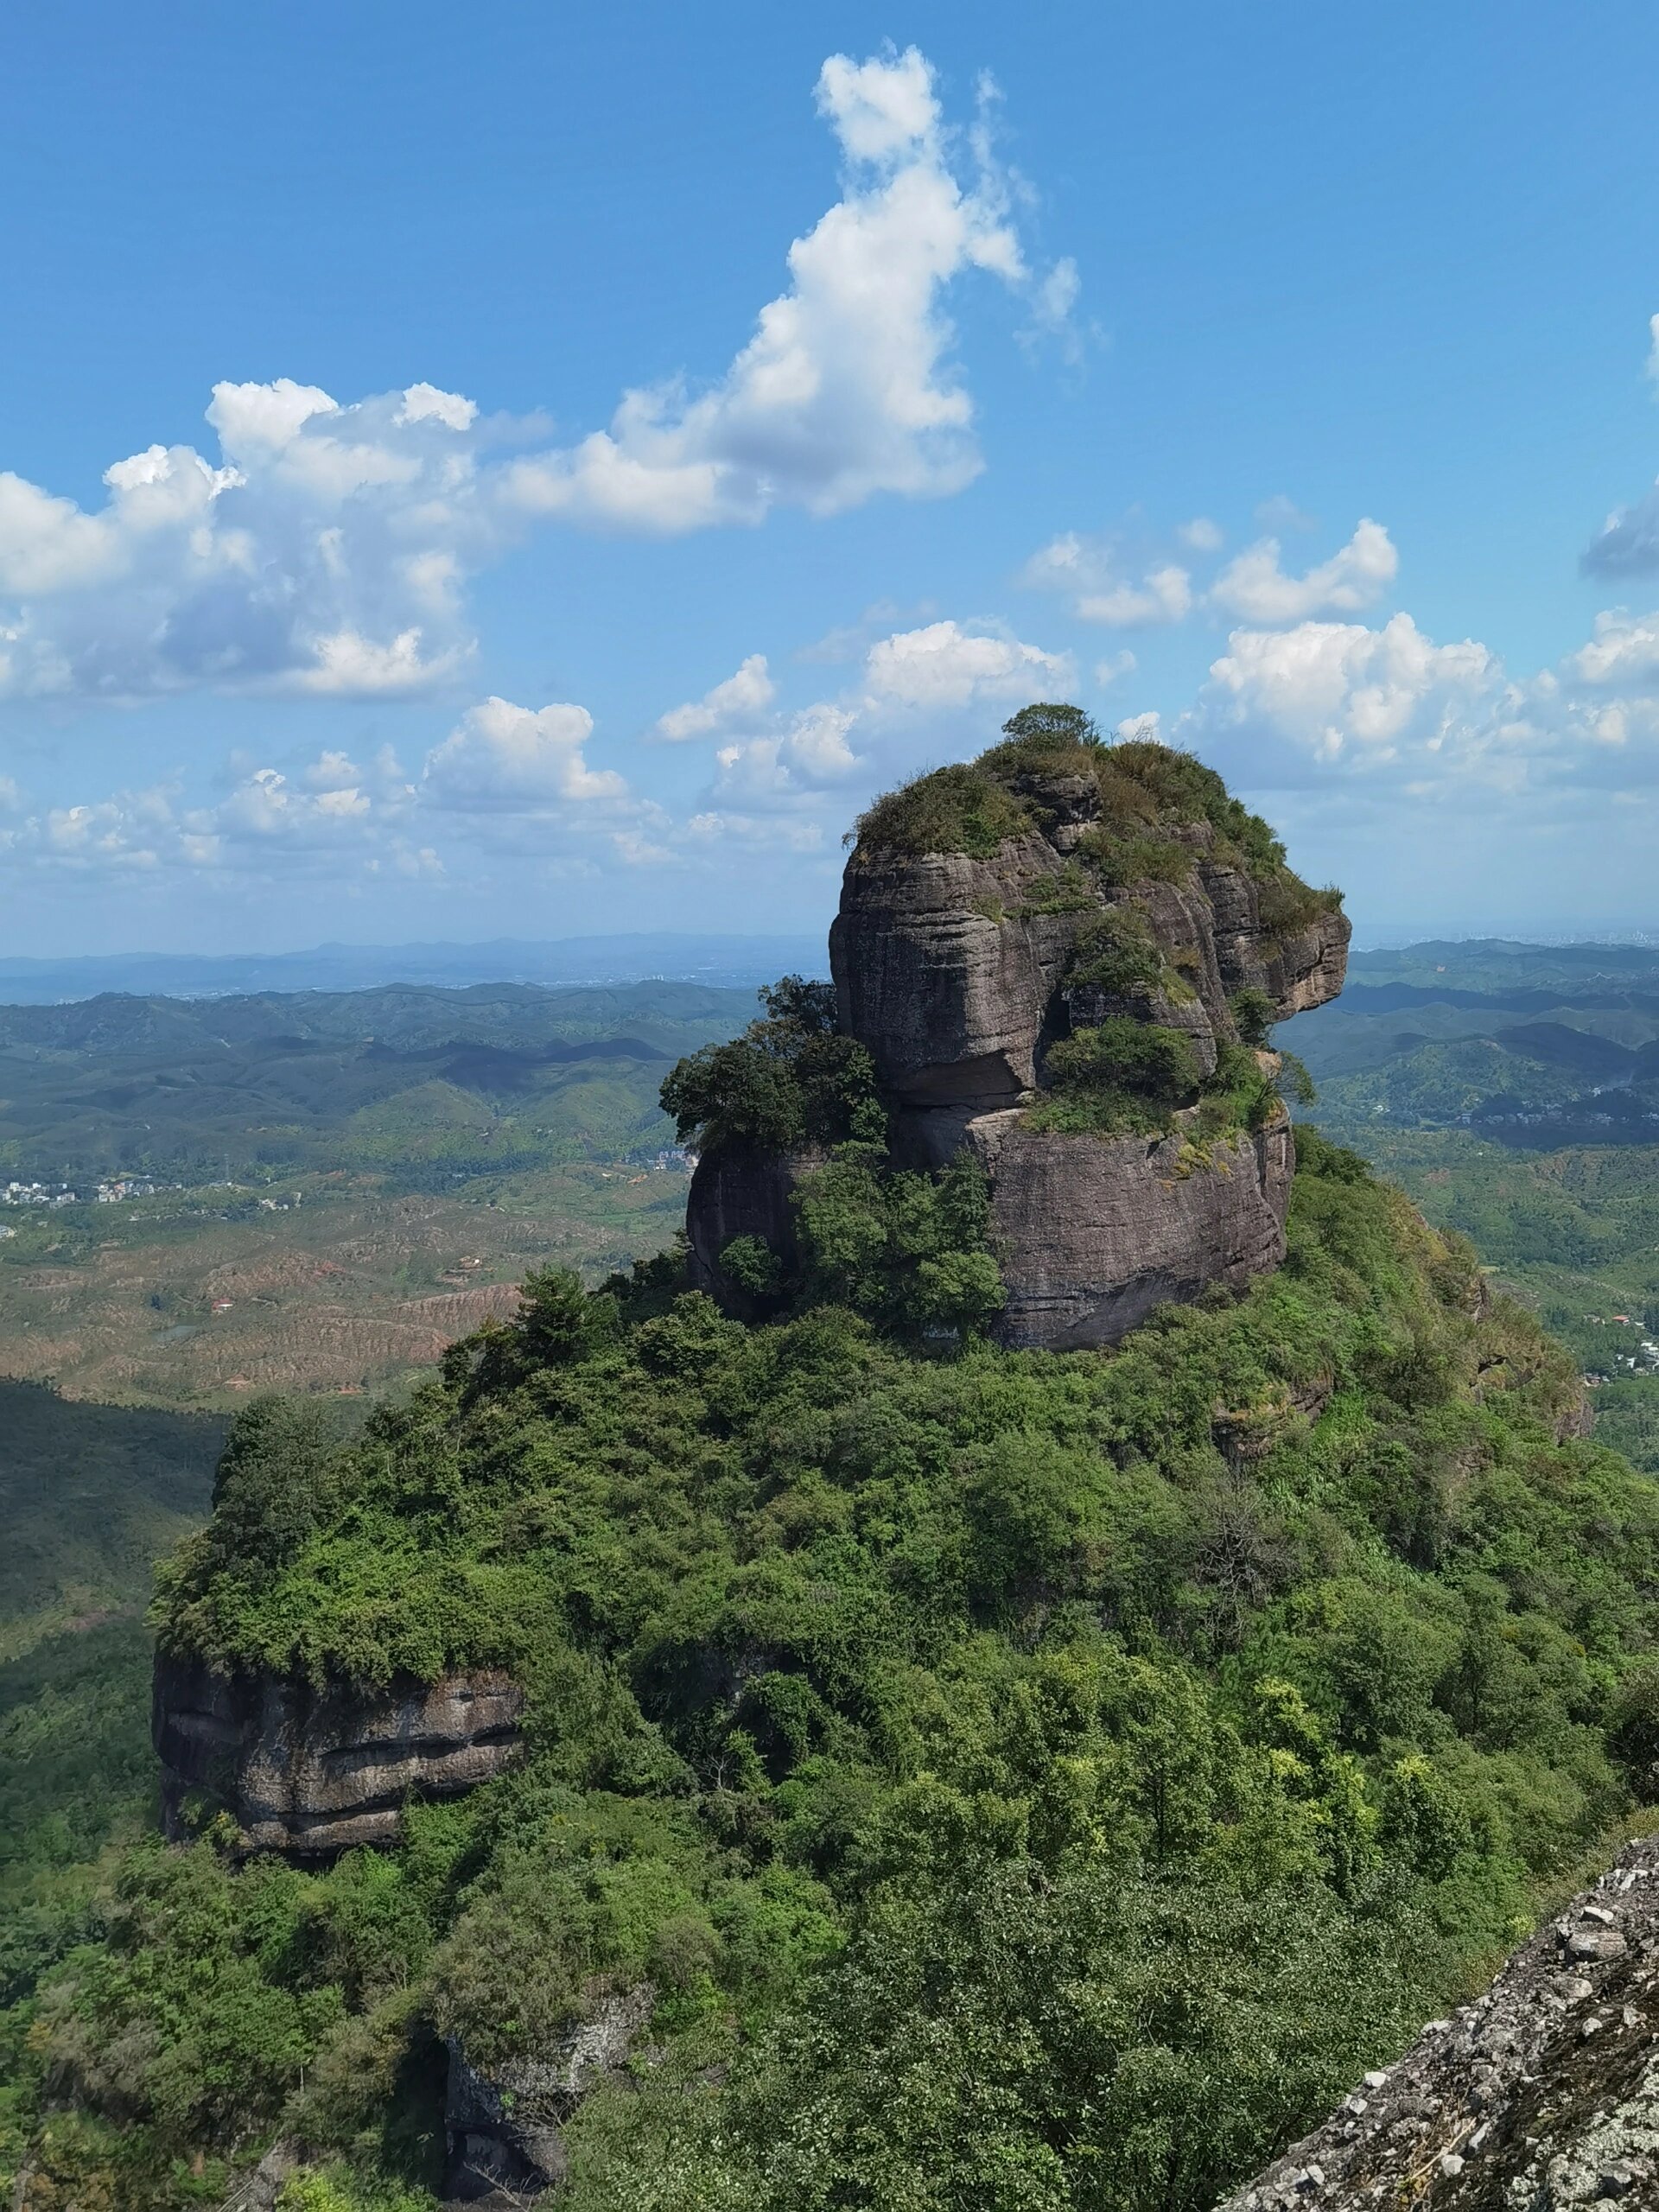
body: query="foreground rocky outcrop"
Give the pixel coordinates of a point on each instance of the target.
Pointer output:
(1540, 2096)
(1099, 886)
(314, 1773)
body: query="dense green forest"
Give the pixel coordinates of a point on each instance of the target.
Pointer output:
(1015, 1780)
(89, 1497)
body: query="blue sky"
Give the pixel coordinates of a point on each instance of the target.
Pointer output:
(529, 470)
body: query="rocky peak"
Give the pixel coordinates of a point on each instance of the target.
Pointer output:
(1059, 959)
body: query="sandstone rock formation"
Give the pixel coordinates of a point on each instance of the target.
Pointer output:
(1113, 884)
(743, 1194)
(315, 1772)
(1540, 2096)
(1094, 1233)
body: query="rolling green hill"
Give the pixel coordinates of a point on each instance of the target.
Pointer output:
(322, 1188)
(1514, 1091)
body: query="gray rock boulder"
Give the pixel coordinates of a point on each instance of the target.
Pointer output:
(504, 2129)
(1094, 1233)
(312, 1772)
(1540, 2096)
(960, 972)
(951, 969)
(743, 1194)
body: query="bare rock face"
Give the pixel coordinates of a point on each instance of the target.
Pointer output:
(742, 1194)
(505, 2130)
(1094, 1233)
(936, 977)
(1541, 2096)
(316, 1772)
(951, 971)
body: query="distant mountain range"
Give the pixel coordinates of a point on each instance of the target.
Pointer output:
(724, 963)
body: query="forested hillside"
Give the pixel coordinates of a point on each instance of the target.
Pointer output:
(1010, 1779)
(1509, 1088)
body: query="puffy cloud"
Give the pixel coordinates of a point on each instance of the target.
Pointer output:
(501, 757)
(1201, 535)
(943, 665)
(1086, 572)
(1624, 649)
(734, 704)
(321, 557)
(1255, 587)
(268, 821)
(1339, 687)
(908, 681)
(1628, 544)
(1162, 595)
(326, 550)
(798, 762)
(846, 388)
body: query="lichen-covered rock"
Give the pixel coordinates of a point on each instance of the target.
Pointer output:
(314, 1771)
(962, 971)
(504, 2129)
(945, 971)
(950, 971)
(1541, 2096)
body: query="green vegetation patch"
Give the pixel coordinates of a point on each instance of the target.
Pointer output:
(1145, 792)
(791, 1080)
(1048, 1780)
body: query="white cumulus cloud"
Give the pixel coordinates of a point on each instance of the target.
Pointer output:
(733, 705)
(1338, 687)
(1255, 587)
(504, 757)
(943, 665)
(1089, 574)
(847, 388)
(326, 548)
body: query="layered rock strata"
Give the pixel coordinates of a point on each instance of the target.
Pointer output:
(1541, 2096)
(959, 974)
(314, 1773)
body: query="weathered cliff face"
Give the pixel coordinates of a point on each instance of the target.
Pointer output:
(951, 971)
(503, 2130)
(1094, 1233)
(316, 1772)
(743, 1194)
(1540, 2096)
(960, 974)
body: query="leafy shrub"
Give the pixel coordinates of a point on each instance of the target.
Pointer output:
(1286, 904)
(910, 1252)
(1122, 1076)
(1146, 790)
(1118, 955)
(1253, 1015)
(790, 1079)
(954, 809)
